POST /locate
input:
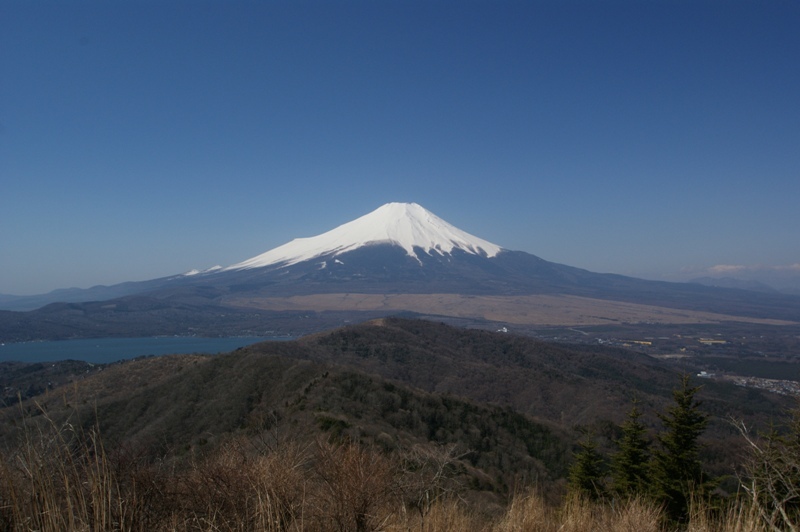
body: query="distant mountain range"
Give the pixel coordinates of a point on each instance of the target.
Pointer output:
(398, 249)
(731, 282)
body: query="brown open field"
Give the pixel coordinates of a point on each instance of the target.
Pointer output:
(520, 310)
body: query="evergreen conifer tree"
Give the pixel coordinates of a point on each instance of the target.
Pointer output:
(586, 473)
(677, 470)
(630, 466)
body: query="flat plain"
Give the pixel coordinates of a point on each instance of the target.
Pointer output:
(536, 310)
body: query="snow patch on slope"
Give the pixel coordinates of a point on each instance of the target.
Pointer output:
(407, 225)
(190, 273)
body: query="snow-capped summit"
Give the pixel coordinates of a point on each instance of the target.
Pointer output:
(407, 225)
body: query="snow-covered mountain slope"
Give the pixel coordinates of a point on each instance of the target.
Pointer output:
(407, 225)
(200, 272)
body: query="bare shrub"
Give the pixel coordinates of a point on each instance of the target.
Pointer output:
(236, 490)
(355, 487)
(429, 476)
(772, 481)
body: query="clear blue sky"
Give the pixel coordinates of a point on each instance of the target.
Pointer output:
(143, 139)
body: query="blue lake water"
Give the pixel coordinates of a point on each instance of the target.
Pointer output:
(105, 350)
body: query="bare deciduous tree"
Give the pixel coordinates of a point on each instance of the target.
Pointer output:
(772, 479)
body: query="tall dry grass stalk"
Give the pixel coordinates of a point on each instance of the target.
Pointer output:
(530, 513)
(60, 479)
(446, 515)
(634, 515)
(740, 516)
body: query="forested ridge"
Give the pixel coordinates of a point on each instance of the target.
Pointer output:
(461, 423)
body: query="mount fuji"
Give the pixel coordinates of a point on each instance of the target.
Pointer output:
(397, 248)
(402, 257)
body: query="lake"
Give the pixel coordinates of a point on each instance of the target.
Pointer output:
(105, 350)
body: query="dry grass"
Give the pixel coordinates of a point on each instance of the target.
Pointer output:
(63, 479)
(742, 517)
(542, 310)
(450, 515)
(530, 513)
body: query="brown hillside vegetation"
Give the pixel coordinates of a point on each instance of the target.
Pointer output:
(62, 480)
(386, 425)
